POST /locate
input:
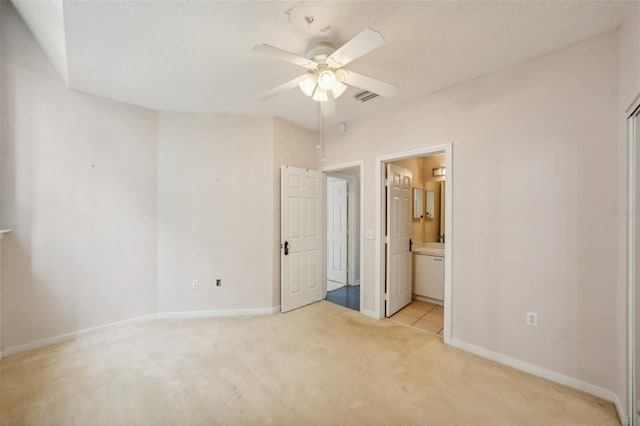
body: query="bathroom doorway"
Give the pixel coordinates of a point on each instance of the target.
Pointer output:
(415, 228)
(343, 235)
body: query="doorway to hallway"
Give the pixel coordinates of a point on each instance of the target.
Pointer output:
(343, 235)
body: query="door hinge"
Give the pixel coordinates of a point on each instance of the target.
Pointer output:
(387, 182)
(386, 239)
(386, 297)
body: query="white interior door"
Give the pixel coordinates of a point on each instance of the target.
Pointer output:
(301, 236)
(398, 236)
(337, 230)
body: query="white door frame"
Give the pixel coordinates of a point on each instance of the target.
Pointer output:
(333, 169)
(351, 224)
(381, 220)
(632, 280)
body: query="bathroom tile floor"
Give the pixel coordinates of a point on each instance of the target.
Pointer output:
(424, 316)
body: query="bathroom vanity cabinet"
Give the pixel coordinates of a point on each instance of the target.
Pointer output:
(428, 275)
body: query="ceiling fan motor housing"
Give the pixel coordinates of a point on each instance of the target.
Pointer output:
(320, 51)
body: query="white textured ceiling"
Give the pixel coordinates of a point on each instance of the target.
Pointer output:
(196, 55)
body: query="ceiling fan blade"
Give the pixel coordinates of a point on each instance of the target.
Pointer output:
(358, 46)
(283, 88)
(371, 84)
(267, 49)
(328, 106)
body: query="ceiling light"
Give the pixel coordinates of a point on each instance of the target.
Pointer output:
(440, 171)
(308, 85)
(338, 89)
(320, 95)
(326, 80)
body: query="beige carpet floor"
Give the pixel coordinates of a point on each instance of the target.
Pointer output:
(321, 364)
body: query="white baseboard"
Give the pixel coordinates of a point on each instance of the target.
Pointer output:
(370, 314)
(186, 314)
(74, 335)
(427, 299)
(545, 374)
(219, 313)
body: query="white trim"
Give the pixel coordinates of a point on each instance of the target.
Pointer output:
(634, 105)
(545, 374)
(370, 314)
(337, 168)
(4, 232)
(74, 335)
(219, 313)
(144, 318)
(446, 149)
(427, 299)
(631, 262)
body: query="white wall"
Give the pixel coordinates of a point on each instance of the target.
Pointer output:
(219, 208)
(628, 89)
(83, 179)
(79, 191)
(215, 216)
(46, 19)
(535, 169)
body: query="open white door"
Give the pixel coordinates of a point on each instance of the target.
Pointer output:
(398, 238)
(337, 230)
(302, 238)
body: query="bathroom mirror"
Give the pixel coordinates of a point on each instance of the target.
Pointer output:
(434, 224)
(442, 215)
(418, 203)
(431, 204)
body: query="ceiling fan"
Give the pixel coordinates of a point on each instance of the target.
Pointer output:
(326, 79)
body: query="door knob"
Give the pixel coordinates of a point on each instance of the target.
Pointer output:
(286, 248)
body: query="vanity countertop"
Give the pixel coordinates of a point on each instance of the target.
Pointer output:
(429, 248)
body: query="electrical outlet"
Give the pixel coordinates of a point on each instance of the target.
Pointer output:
(218, 282)
(532, 319)
(195, 284)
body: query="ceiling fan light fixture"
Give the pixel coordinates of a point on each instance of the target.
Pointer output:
(320, 95)
(308, 85)
(327, 79)
(338, 89)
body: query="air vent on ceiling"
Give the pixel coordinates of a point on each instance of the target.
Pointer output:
(365, 96)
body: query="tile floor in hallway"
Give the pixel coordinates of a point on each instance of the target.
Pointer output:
(347, 296)
(424, 316)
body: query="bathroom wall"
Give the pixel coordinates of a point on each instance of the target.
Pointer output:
(431, 162)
